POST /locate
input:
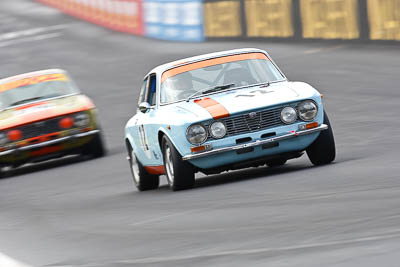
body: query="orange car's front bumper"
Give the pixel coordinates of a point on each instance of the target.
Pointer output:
(54, 146)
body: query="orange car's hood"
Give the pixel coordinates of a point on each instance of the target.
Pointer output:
(45, 109)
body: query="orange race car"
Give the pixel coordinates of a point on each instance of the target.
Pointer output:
(43, 116)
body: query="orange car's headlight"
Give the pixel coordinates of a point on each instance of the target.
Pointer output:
(82, 120)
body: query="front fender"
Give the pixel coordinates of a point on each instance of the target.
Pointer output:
(173, 136)
(129, 141)
(129, 134)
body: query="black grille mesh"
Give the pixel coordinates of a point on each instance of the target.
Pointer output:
(40, 128)
(243, 123)
(260, 120)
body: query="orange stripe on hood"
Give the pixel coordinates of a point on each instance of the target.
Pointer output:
(216, 110)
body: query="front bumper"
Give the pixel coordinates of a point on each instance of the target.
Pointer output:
(274, 139)
(48, 143)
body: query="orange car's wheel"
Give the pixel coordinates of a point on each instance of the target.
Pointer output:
(2, 173)
(95, 147)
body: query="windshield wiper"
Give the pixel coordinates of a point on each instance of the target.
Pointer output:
(265, 84)
(26, 100)
(211, 90)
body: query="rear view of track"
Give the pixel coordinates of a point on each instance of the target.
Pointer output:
(87, 213)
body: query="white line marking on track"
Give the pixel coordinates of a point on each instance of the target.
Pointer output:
(149, 260)
(6, 261)
(265, 250)
(30, 32)
(30, 39)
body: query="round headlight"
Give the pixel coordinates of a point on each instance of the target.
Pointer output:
(3, 139)
(288, 115)
(307, 110)
(218, 129)
(81, 120)
(196, 134)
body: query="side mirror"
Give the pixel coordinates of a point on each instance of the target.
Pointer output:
(144, 107)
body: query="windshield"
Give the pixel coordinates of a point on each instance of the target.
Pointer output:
(36, 88)
(239, 70)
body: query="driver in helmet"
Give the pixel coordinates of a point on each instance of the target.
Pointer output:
(178, 87)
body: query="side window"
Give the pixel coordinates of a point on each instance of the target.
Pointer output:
(152, 90)
(142, 94)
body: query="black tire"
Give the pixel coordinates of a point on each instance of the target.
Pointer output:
(180, 174)
(95, 148)
(6, 171)
(276, 162)
(323, 150)
(141, 178)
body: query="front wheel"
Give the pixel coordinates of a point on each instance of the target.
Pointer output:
(95, 147)
(141, 178)
(180, 174)
(323, 150)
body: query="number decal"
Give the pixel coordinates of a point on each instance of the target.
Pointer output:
(143, 139)
(255, 93)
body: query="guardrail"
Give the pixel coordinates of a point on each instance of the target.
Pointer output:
(197, 20)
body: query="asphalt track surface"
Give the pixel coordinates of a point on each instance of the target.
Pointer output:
(88, 213)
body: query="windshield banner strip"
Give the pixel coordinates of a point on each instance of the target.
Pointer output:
(33, 80)
(216, 110)
(211, 62)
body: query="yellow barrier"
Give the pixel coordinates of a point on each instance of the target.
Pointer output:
(330, 19)
(222, 19)
(384, 19)
(269, 18)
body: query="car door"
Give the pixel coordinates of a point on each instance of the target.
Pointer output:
(137, 131)
(145, 122)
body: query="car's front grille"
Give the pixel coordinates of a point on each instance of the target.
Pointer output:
(40, 128)
(253, 121)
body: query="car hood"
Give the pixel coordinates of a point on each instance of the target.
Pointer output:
(42, 110)
(240, 100)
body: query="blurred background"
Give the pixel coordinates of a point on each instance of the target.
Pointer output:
(194, 20)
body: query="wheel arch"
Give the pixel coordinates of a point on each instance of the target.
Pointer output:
(129, 143)
(161, 133)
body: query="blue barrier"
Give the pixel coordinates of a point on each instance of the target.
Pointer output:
(178, 20)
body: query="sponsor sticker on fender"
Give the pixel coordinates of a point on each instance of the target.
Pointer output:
(33, 80)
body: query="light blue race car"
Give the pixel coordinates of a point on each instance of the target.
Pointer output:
(223, 111)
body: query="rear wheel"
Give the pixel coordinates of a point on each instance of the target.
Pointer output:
(180, 174)
(141, 178)
(323, 150)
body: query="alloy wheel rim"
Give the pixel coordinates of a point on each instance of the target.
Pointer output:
(135, 169)
(169, 165)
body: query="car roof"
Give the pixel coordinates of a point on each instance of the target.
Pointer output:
(31, 74)
(160, 69)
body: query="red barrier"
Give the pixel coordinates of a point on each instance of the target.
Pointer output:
(119, 15)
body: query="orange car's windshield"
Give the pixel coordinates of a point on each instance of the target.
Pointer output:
(31, 91)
